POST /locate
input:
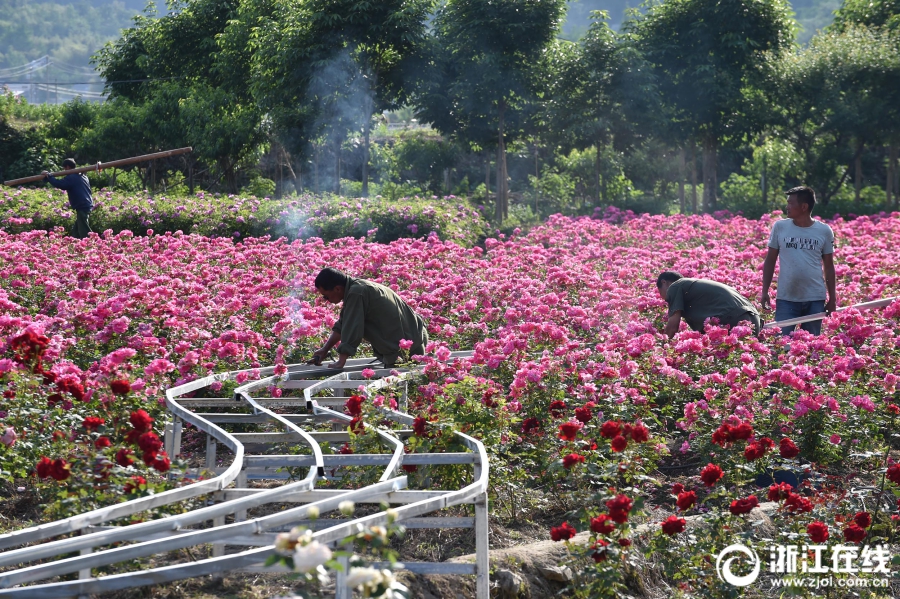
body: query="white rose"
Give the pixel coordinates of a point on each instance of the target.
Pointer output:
(312, 513)
(363, 576)
(284, 543)
(309, 557)
(346, 507)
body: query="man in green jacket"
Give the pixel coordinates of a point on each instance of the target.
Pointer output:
(696, 300)
(371, 312)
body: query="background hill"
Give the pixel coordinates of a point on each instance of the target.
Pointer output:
(70, 31)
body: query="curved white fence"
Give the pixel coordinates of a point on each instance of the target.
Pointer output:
(230, 496)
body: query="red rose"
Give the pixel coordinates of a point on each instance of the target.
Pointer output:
(893, 473)
(619, 443)
(864, 519)
(123, 458)
(569, 430)
(754, 451)
(624, 542)
(817, 531)
(102, 442)
(779, 491)
(602, 524)
(743, 506)
(583, 414)
(610, 429)
(854, 533)
(92, 423)
(742, 432)
(141, 420)
(149, 457)
(673, 525)
(711, 474)
(149, 442)
(161, 463)
(354, 405)
(556, 408)
(120, 387)
(43, 467)
(788, 449)
(686, 500)
(357, 426)
(572, 459)
(893, 408)
(132, 485)
(797, 503)
(598, 550)
(619, 506)
(677, 489)
(723, 435)
(530, 424)
(419, 426)
(60, 469)
(562, 532)
(640, 433)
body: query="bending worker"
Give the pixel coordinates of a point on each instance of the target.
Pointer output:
(696, 300)
(78, 189)
(371, 312)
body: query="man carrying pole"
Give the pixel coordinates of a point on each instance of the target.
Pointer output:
(803, 248)
(79, 191)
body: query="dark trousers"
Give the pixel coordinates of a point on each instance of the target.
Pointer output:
(82, 224)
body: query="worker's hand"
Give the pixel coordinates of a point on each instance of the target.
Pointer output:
(46, 174)
(318, 356)
(339, 363)
(831, 305)
(766, 304)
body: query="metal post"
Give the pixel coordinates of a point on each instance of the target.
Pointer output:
(240, 483)
(210, 452)
(482, 545)
(341, 590)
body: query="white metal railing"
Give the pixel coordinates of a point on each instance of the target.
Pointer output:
(234, 498)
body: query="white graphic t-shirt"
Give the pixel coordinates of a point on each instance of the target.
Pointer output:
(800, 251)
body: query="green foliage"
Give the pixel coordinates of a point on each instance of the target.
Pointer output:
(297, 217)
(850, 97)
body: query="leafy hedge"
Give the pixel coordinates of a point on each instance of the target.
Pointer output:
(218, 215)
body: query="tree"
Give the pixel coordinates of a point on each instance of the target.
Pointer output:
(705, 53)
(871, 13)
(601, 95)
(845, 93)
(324, 67)
(483, 74)
(187, 89)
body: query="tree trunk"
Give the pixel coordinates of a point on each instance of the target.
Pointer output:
(765, 184)
(190, 165)
(710, 178)
(681, 169)
(857, 174)
(502, 208)
(365, 164)
(598, 157)
(487, 176)
(337, 168)
(891, 187)
(693, 178)
(537, 179)
(316, 170)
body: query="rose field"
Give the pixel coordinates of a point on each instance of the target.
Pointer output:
(659, 450)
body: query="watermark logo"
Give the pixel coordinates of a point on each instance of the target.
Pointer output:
(792, 562)
(728, 556)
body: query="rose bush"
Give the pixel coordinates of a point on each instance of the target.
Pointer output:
(571, 384)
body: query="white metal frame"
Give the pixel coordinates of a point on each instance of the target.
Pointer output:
(232, 497)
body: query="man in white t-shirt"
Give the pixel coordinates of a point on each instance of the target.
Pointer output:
(802, 247)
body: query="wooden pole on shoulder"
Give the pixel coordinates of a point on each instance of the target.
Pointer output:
(101, 165)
